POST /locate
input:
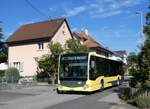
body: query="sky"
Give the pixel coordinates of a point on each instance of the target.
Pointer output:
(112, 23)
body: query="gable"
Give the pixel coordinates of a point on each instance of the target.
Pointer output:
(63, 34)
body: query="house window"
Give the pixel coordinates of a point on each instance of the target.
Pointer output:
(18, 65)
(40, 45)
(63, 32)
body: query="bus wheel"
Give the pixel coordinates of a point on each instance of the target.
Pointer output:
(101, 85)
(58, 91)
(118, 82)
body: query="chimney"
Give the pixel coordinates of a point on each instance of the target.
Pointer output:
(86, 31)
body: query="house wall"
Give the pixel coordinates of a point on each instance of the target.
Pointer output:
(26, 53)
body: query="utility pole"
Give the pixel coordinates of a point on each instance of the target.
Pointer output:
(141, 24)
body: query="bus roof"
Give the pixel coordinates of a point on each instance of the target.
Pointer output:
(102, 56)
(93, 54)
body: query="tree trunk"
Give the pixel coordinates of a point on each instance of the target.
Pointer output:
(53, 79)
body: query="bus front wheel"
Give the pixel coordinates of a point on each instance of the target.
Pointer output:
(58, 91)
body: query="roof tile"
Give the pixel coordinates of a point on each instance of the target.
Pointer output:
(37, 30)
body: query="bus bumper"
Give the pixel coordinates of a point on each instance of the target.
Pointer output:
(85, 88)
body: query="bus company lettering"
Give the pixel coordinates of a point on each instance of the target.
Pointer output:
(74, 58)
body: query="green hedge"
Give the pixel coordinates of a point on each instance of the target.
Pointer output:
(143, 101)
(2, 73)
(12, 75)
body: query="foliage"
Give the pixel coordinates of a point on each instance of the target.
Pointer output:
(144, 55)
(48, 64)
(132, 63)
(2, 73)
(12, 75)
(73, 45)
(132, 59)
(44, 71)
(133, 67)
(3, 50)
(143, 100)
(125, 93)
(139, 65)
(55, 48)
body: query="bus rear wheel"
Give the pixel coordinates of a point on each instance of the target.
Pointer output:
(118, 82)
(101, 85)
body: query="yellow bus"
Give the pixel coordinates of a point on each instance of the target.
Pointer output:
(87, 72)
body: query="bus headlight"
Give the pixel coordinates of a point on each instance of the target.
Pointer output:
(85, 86)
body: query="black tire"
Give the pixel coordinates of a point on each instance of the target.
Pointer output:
(118, 82)
(101, 85)
(58, 91)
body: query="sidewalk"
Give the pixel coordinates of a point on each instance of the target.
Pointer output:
(116, 102)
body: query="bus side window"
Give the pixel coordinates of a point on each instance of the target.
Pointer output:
(99, 67)
(92, 70)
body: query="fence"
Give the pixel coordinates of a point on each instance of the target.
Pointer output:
(22, 83)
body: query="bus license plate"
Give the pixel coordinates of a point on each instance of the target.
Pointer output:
(71, 89)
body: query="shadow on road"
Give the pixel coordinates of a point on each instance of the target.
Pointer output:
(115, 89)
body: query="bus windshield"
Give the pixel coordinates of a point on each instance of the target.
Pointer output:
(73, 67)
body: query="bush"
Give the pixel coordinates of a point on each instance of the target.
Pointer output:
(2, 73)
(143, 101)
(12, 75)
(125, 93)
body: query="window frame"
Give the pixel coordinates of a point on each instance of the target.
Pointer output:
(40, 45)
(18, 65)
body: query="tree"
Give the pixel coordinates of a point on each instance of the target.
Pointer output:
(132, 59)
(144, 55)
(139, 65)
(56, 49)
(3, 49)
(48, 64)
(73, 45)
(43, 70)
(133, 66)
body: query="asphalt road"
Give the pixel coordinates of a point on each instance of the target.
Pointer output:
(45, 97)
(37, 97)
(93, 101)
